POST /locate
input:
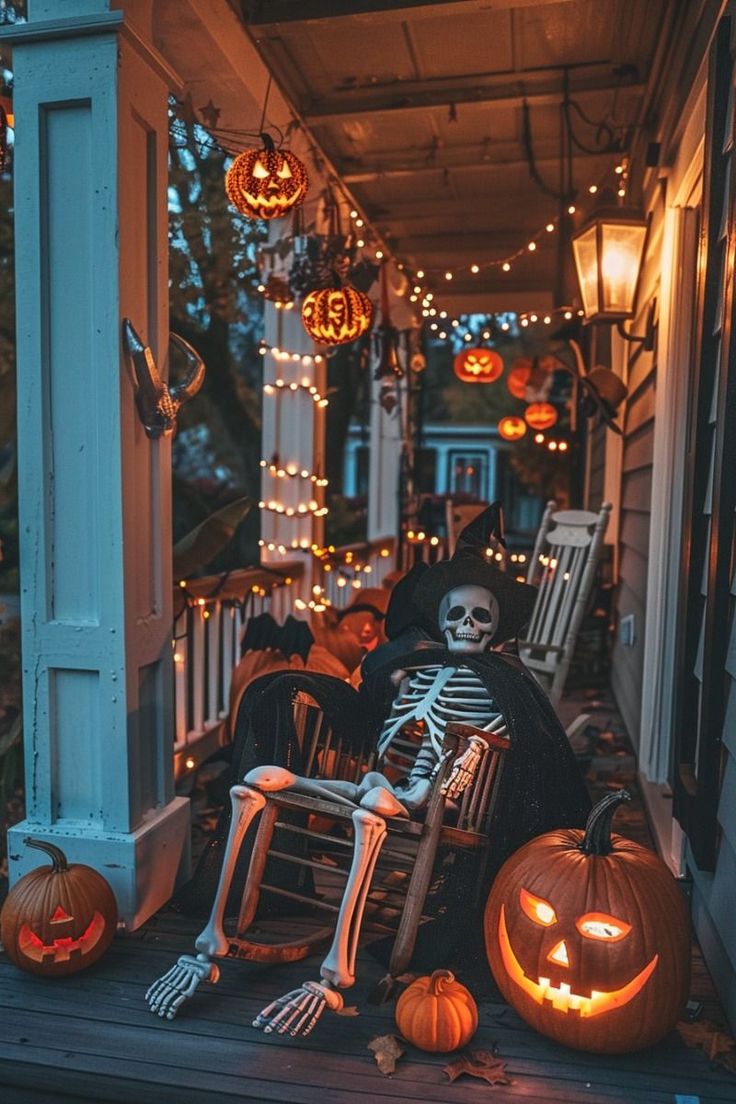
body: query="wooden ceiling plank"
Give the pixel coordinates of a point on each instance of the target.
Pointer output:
(277, 16)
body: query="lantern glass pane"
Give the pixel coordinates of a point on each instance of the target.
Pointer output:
(585, 249)
(622, 247)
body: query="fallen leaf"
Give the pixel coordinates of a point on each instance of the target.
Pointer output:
(479, 1063)
(349, 1010)
(726, 1059)
(387, 1050)
(706, 1035)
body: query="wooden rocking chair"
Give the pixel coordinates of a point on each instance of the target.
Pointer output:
(321, 843)
(563, 566)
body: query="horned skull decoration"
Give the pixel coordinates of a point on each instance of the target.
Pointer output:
(157, 403)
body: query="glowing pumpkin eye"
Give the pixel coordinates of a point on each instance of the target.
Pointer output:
(599, 925)
(538, 910)
(284, 172)
(59, 915)
(259, 171)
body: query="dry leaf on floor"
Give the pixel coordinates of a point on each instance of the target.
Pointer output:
(348, 1010)
(387, 1049)
(479, 1063)
(706, 1035)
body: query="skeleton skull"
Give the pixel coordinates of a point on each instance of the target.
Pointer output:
(468, 617)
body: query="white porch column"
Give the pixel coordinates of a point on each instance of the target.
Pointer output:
(90, 169)
(293, 435)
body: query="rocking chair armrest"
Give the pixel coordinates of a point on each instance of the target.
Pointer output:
(541, 646)
(462, 731)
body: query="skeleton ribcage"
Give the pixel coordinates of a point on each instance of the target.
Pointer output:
(411, 738)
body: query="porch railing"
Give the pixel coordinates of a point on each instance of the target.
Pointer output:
(208, 626)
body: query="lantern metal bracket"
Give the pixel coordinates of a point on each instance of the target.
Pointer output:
(648, 338)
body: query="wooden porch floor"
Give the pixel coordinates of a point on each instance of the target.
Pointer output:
(91, 1038)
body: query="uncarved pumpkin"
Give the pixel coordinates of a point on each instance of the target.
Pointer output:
(58, 919)
(437, 1013)
(588, 938)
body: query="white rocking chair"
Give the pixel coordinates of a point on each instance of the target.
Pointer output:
(567, 550)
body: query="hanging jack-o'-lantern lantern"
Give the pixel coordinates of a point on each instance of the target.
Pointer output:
(478, 365)
(512, 428)
(336, 316)
(541, 415)
(588, 937)
(530, 378)
(266, 183)
(58, 919)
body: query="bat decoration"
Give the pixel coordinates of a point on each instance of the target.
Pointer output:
(292, 638)
(157, 403)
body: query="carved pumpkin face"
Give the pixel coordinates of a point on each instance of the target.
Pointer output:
(511, 428)
(266, 184)
(58, 919)
(336, 316)
(541, 415)
(590, 947)
(478, 365)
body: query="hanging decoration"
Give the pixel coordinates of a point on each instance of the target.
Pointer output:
(386, 338)
(7, 121)
(531, 378)
(588, 937)
(478, 365)
(58, 919)
(266, 183)
(541, 415)
(336, 316)
(512, 428)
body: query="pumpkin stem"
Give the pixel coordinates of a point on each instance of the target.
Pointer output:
(57, 856)
(267, 142)
(438, 981)
(597, 838)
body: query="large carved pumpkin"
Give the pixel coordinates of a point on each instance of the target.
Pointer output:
(511, 428)
(541, 415)
(588, 937)
(437, 1013)
(266, 183)
(336, 316)
(478, 365)
(58, 919)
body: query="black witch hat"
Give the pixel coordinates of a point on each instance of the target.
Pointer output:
(470, 565)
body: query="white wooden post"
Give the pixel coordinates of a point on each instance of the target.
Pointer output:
(90, 166)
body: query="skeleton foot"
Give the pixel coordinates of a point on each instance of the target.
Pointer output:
(297, 1012)
(169, 992)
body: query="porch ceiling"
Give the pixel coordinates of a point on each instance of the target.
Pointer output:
(419, 106)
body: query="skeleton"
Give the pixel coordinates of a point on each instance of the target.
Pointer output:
(429, 698)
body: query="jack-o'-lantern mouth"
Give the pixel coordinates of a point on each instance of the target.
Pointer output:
(61, 949)
(273, 202)
(561, 996)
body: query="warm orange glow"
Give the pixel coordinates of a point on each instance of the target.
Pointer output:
(559, 954)
(511, 428)
(478, 365)
(561, 996)
(336, 316)
(599, 925)
(61, 949)
(266, 184)
(541, 415)
(537, 909)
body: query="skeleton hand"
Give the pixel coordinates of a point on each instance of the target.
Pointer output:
(179, 984)
(297, 1012)
(464, 769)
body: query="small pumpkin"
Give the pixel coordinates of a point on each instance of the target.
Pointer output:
(588, 938)
(437, 1013)
(58, 919)
(511, 428)
(541, 415)
(478, 365)
(266, 183)
(335, 316)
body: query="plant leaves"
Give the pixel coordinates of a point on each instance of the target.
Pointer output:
(387, 1049)
(481, 1064)
(202, 544)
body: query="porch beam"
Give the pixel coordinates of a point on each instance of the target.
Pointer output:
(273, 15)
(510, 90)
(475, 158)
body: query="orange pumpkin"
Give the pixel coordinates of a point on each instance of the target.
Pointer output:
(266, 183)
(58, 919)
(437, 1013)
(336, 316)
(541, 415)
(511, 428)
(588, 937)
(478, 365)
